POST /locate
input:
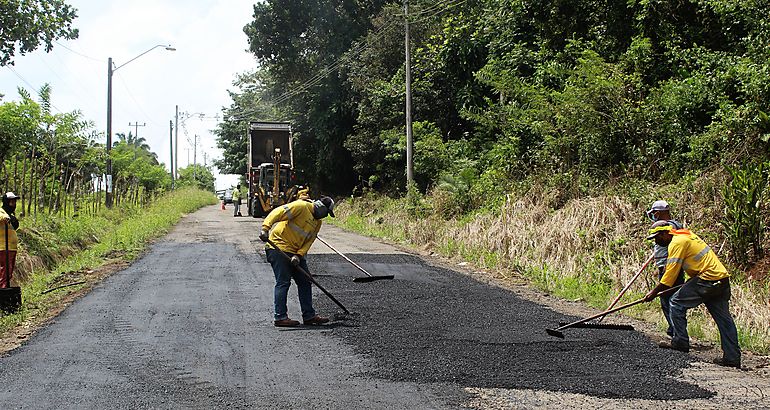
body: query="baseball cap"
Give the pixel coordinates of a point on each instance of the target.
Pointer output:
(329, 204)
(658, 227)
(659, 205)
(10, 195)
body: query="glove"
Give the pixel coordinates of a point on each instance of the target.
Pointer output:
(264, 235)
(295, 260)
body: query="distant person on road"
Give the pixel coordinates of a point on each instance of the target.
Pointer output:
(293, 228)
(8, 239)
(709, 284)
(661, 211)
(237, 201)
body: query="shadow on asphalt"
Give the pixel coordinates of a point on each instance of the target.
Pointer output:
(432, 325)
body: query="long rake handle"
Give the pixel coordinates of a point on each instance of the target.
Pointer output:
(607, 312)
(345, 257)
(309, 277)
(628, 285)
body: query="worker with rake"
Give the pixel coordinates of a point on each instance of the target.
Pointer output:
(709, 284)
(661, 211)
(292, 228)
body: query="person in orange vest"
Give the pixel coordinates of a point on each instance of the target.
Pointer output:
(709, 284)
(293, 228)
(8, 241)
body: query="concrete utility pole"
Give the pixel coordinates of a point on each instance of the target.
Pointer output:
(171, 150)
(136, 126)
(176, 143)
(409, 140)
(195, 156)
(108, 170)
(110, 71)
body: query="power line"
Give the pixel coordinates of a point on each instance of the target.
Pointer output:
(415, 18)
(449, 5)
(58, 111)
(316, 79)
(80, 54)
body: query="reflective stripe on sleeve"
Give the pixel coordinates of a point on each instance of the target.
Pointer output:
(672, 261)
(304, 234)
(702, 253)
(287, 211)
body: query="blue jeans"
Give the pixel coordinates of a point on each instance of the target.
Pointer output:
(284, 272)
(665, 303)
(716, 296)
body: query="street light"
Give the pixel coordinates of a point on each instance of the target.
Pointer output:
(110, 70)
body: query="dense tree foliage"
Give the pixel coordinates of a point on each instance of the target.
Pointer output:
(574, 92)
(52, 160)
(26, 24)
(197, 175)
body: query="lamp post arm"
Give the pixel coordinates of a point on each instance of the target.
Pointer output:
(153, 48)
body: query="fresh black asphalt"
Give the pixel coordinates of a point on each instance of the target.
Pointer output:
(434, 325)
(189, 325)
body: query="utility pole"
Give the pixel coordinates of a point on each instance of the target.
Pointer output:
(108, 170)
(409, 140)
(195, 157)
(136, 126)
(171, 150)
(176, 143)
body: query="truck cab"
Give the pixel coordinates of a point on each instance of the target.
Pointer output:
(270, 149)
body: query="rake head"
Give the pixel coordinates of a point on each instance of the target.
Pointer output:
(372, 278)
(596, 325)
(555, 333)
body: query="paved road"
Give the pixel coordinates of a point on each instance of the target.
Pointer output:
(189, 325)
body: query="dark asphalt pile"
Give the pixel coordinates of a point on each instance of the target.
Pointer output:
(432, 325)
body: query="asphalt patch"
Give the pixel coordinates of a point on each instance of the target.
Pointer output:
(433, 325)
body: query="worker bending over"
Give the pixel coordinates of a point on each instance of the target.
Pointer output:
(709, 284)
(293, 228)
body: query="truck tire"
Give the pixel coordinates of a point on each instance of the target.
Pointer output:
(256, 209)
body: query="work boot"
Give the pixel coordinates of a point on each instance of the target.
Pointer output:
(286, 323)
(722, 362)
(316, 320)
(667, 344)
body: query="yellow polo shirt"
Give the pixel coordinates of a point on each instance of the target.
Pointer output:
(687, 251)
(294, 228)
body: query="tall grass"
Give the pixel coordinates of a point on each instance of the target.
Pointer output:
(56, 251)
(588, 249)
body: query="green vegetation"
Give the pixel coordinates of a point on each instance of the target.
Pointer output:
(587, 250)
(28, 24)
(57, 251)
(543, 129)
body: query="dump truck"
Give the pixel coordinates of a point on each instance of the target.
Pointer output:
(271, 167)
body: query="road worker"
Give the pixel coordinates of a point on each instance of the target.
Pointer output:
(661, 211)
(709, 284)
(237, 201)
(8, 241)
(293, 228)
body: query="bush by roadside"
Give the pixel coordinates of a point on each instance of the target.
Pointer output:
(60, 251)
(585, 249)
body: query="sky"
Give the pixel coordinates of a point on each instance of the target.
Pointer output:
(211, 49)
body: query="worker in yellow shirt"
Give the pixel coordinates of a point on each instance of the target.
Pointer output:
(293, 228)
(709, 284)
(8, 239)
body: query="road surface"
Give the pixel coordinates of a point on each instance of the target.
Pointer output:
(189, 325)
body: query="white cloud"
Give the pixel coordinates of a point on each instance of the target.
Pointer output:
(210, 50)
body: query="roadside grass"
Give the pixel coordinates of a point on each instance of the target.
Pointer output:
(586, 250)
(56, 252)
